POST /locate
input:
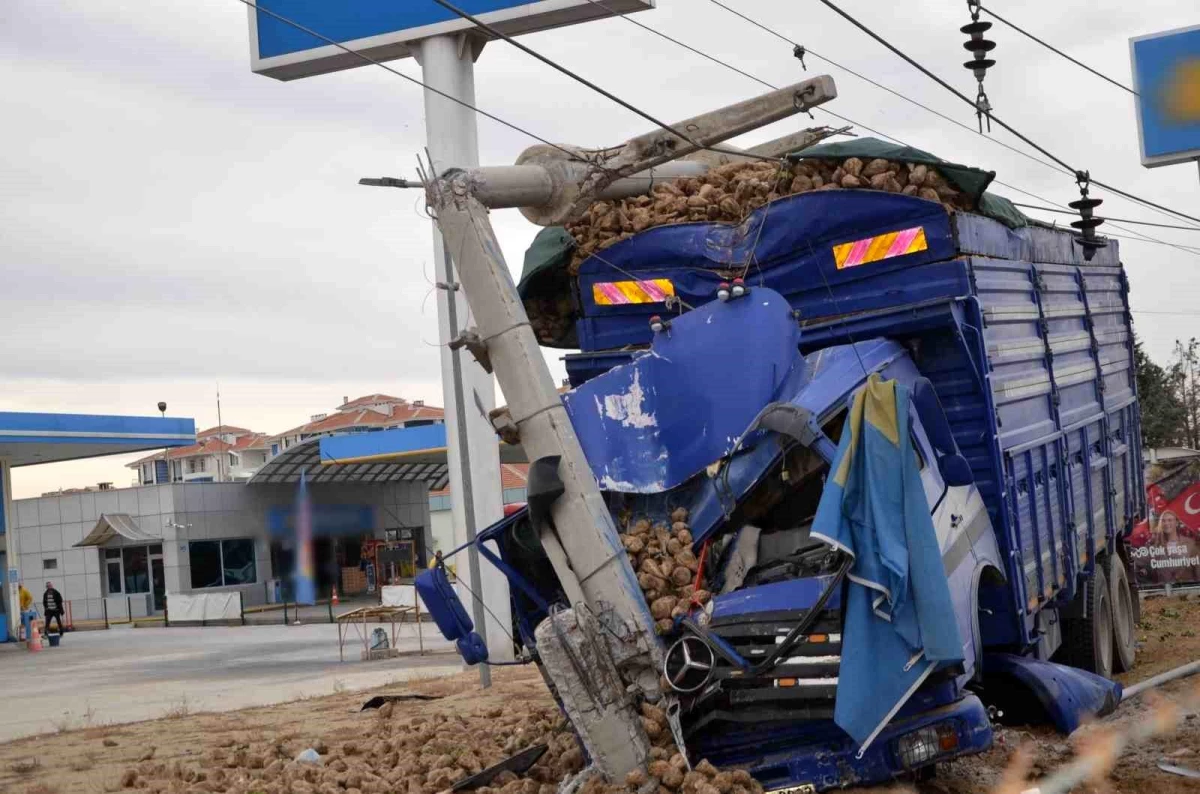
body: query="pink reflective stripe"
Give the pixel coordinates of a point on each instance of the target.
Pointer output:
(653, 290)
(903, 240)
(859, 251)
(613, 294)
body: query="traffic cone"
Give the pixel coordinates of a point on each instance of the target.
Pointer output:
(335, 598)
(35, 637)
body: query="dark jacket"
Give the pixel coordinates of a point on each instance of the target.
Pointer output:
(52, 601)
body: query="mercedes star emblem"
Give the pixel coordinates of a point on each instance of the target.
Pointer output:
(689, 664)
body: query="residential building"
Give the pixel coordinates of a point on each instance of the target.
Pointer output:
(233, 454)
(220, 454)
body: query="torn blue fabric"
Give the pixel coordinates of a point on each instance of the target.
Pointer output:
(899, 620)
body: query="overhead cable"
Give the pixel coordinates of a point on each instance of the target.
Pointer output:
(884, 42)
(846, 119)
(799, 48)
(1121, 220)
(569, 73)
(1054, 49)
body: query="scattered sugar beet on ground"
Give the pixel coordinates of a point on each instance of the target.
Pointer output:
(422, 745)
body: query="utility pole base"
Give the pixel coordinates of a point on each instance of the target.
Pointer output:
(581, 666)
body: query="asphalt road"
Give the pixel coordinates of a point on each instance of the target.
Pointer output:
(126, 674)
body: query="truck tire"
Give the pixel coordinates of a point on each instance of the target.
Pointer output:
(1088, 642)
(1124, 616)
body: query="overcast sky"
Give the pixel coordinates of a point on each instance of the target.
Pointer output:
(169, 219)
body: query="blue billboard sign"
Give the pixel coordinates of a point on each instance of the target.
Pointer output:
(1166, 77)
(385, 29)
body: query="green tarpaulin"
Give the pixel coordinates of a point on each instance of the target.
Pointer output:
(970, 180)
(549, 254)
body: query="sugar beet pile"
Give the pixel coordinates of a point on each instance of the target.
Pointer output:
(666, 567)
(730, 192)
(727, 194)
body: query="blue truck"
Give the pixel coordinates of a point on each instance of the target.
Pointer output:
(724, 394)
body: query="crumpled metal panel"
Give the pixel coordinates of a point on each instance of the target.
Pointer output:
(1067, 694)
(650, 425)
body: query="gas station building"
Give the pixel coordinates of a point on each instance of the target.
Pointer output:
(118, 552)
(28, 439)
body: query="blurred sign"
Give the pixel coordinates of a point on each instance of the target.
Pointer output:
(384, 30)
(1166, 77)
(326, 520)
(1165, 549)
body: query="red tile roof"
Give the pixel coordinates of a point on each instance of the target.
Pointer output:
(208, 446)
(252, 441)
(512, 475)
(366, 417)
(223, 430)
(370, 399)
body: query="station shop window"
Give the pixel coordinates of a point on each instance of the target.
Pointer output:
(50, 564)
(222, 563)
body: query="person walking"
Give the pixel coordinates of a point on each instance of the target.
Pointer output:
(28, 613)
(52, 606)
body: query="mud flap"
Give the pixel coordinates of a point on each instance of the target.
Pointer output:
(1067, 695)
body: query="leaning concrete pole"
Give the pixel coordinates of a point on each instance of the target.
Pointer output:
(602, 647)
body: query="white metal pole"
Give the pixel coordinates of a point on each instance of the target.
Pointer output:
(447, 64)
(12, 557)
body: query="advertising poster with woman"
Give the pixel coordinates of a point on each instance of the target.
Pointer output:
(1165, 548)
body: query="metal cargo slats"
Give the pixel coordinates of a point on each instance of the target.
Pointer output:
(1058, 345)
(1088, 519)
(1021, 384)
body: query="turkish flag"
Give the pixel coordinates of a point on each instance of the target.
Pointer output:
(1186, 507)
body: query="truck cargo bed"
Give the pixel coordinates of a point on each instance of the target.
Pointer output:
(1028, 345)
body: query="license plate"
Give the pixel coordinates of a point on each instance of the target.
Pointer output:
(806, 788)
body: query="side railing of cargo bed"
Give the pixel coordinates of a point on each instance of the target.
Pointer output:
(1028, 346)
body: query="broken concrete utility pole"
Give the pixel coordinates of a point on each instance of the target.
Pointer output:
(601, 648)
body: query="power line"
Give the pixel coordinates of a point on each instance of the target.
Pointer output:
(688, 47)
(368, 59)
(899, 94)
(759, 80)
(584, 81)
(809, 51)
(1172, 314)
(1107, 218)
(564, 70)
(1054, 49)
(884, 42)
(1139, 238)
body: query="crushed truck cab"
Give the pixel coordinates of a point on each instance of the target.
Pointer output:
(676, 427)
(721, 377)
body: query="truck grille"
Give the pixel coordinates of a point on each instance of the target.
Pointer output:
(800, 686)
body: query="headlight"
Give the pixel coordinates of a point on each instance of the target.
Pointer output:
(925, 744)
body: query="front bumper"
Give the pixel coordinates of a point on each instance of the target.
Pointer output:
(820, 755)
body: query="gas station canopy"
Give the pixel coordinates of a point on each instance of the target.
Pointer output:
(413, 454)
(30, 438)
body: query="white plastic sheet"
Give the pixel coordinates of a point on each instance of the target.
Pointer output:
(200, 607)
(400, 595)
